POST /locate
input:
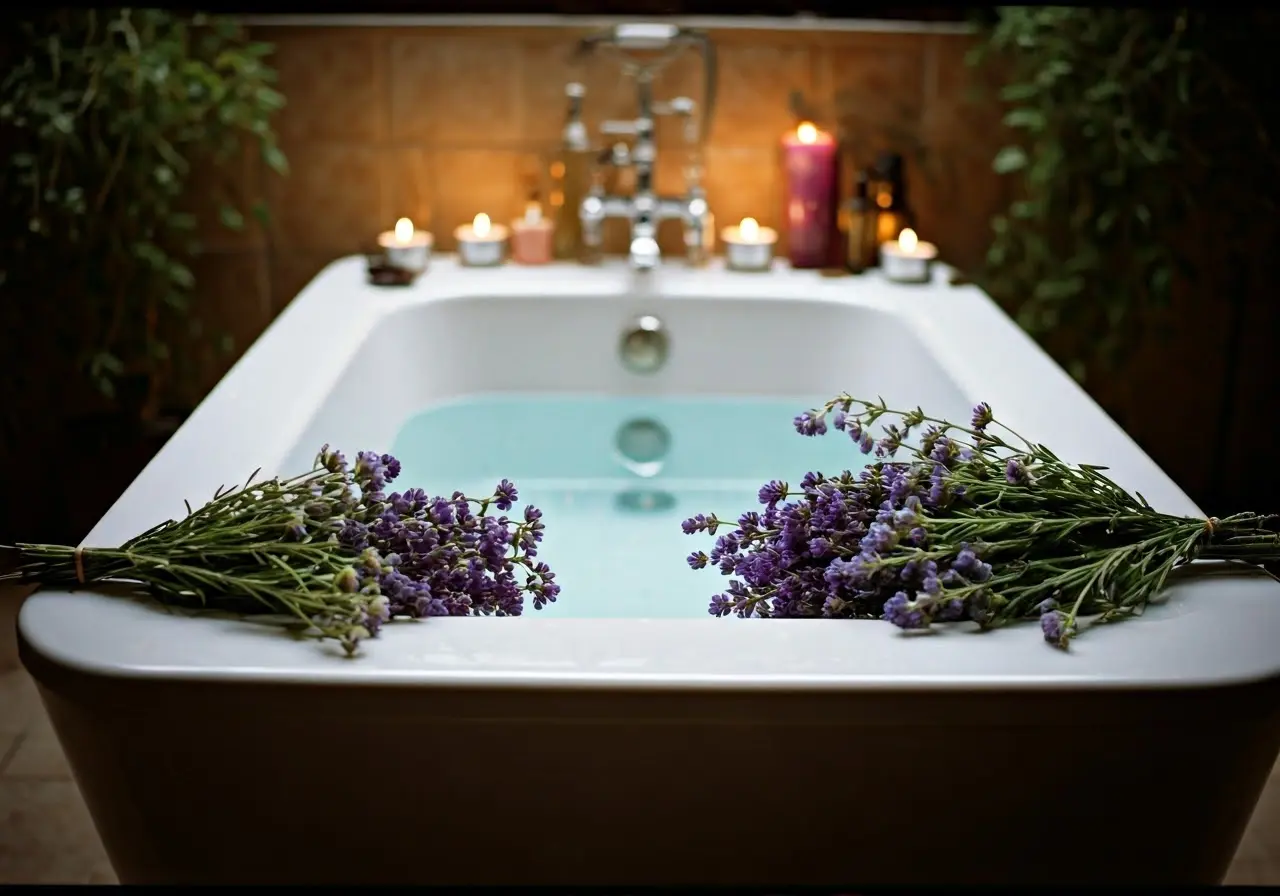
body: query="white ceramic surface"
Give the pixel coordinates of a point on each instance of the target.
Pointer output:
(348, 363)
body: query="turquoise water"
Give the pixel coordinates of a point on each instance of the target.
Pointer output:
(614, 477)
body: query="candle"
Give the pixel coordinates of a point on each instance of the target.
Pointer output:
(907, 259)
(406, 247)
(810, 168)
(481, 243)
(748, 246)
(531, 236)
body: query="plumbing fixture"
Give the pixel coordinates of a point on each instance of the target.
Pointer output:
(645, 345)
(645, 49)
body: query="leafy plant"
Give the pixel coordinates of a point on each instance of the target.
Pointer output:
(107, 112)
(1131, 119)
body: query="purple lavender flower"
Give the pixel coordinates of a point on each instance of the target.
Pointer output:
(1054, 626)
(1015, 472)
(505, 495)
(810, 423)
(772, 492)
(982, 416)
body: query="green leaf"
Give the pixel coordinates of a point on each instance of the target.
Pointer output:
(1023, 209)
(1009, 159)
(275, 159)
(1056, 290)
(181, 275)
(231, 218)
(226, 343)
(1026, 118)
(1015, 92)
(260, 211)
(1105, 221)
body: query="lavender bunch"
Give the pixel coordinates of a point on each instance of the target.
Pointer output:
(975, 523)
(327, 554)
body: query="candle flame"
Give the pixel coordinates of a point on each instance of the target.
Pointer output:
(907, 240)
(807, 133)
(749, 229)
(404, 230)
(481, 224)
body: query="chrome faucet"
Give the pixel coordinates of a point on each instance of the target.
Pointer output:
(644, 208)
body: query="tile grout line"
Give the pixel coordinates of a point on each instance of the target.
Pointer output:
(11, 752)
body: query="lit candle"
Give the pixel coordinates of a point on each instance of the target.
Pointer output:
(406, 247)
(810, 168)
(748, 246)
(907, 259)
(481, 243)
(531, 236)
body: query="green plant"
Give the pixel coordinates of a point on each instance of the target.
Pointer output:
(107, 112)
(1130, 120)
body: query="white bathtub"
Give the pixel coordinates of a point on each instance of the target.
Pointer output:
(651, 751)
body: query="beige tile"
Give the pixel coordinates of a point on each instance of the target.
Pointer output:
(456, 89)
(335, 84)
(19, 702)
(1252, 874)
(877, 96)
(233, 306)
(38, 755)
(472, 181)
(407, 188)
(332, 199)
(235, 183)
(549, 64)
(9, 746)
(102, 875)
(46, 835)
(755, 85)
(744, 182)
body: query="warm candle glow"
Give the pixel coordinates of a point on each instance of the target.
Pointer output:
(481, 225)
(907, 240)
(404, 230)
(807, 133)
(532, 212)
(749, 229)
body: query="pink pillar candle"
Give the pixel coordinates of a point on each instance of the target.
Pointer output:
(809, 162)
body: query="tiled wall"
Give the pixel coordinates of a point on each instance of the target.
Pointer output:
(440, 123)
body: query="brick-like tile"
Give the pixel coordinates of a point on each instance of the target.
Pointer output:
(334, 81)
(472, 181)
(46, 834)
(755, 85)
(236, 183)
(456, 90)
(331, 199)
(232, 301)
(39, 756)
(407, 188)
(19, 702)
(877, 95)
(745, 182)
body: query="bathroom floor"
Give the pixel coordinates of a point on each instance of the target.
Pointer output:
(47, 837)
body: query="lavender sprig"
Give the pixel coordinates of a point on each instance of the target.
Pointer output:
(328, 550)
(976, 523)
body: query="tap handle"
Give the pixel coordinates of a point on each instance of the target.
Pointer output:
(618, 128)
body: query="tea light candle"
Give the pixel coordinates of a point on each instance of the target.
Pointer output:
(481, 243)
(406, 247)
(748, 246)
(907, 259)
(531, 237)
(810, 169)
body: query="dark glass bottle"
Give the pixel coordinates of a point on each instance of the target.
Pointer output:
(859, 219)
(888, 191)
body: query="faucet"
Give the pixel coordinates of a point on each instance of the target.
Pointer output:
(644, 208)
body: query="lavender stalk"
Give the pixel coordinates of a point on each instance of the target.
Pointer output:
(976, 523)
(327, 554)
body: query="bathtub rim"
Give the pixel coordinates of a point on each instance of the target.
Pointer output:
(941, 316)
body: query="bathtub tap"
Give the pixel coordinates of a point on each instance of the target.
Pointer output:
(644, 208)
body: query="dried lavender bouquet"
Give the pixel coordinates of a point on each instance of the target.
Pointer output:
(327, 554)
(978, 523)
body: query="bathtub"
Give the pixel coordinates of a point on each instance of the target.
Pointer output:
(651, 751)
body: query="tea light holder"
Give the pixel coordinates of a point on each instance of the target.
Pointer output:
(748, 246)
(481, 243)
(908, 259)
(531, 237)
(406, 247)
